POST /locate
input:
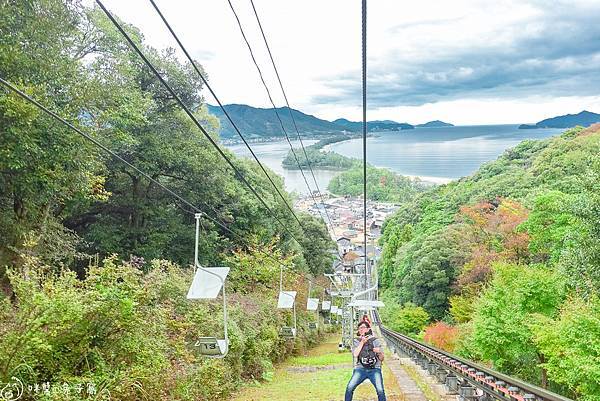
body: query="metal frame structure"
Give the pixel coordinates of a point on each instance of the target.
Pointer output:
(312, 304)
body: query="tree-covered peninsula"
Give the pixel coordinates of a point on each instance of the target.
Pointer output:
(319, 159)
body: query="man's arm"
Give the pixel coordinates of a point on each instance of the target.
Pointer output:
(359, 347)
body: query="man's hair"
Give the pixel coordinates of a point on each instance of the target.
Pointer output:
(364, 323)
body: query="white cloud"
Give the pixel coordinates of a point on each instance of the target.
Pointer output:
(466, 61)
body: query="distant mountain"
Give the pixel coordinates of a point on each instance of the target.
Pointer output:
(434, 124)
(376, 125)
(257, 122)
(585, 119)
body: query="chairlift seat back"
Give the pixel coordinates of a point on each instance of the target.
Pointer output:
(286, 300)
(210, 346)
(207, 282)
(312, 303)
(288, 331)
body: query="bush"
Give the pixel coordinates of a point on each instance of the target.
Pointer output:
(441, 335)
(125, 331)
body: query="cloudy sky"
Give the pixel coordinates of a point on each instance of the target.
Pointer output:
(465, 62)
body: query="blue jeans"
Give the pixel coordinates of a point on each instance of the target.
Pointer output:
(360, 375)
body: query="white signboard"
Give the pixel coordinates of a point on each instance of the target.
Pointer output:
(326, 305)
(334, 309)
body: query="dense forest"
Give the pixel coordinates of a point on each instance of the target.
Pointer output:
(95, 258)
(504, 266)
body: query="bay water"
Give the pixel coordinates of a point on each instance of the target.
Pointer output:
(433, 154)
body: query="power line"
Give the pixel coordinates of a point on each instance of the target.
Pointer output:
(291, 114)
(191, 115)
(224, 110)
(239, 236)
(141, 172)
(91, 139)
(271, 100)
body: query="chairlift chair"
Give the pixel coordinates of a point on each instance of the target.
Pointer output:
(287, 300)
(366, 304)
(312, 304)
(333, 313)
(207, 283)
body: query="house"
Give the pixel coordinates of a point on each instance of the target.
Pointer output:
(344, 245)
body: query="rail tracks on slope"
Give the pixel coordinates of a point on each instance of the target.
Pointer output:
(469, 380)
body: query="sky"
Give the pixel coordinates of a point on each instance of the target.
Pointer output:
(466, 62)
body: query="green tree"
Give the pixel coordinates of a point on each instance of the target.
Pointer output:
(433, 267)
(408, 318)
(503, 315)
(43, 165)
(382, 184)
(570, 343)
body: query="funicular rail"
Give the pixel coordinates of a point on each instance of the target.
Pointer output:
(471, 381)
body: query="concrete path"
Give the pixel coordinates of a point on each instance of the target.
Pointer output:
(407, 373)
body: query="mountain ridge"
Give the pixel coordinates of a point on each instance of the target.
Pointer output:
(584, 118)
(434, 124)
(256, 122)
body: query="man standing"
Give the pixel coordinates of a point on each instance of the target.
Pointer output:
(368, 351)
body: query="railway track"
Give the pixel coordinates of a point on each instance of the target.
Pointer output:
(471, 381)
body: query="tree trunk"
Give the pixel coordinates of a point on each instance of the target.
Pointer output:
(544, 372)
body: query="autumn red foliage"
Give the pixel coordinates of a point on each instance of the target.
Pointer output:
(441, 335)
(490, 231)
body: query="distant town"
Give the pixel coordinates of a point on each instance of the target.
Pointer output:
(346, 214)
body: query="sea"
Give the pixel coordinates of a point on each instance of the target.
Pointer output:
(437, 155)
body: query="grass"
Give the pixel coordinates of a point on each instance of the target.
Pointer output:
(291, 383)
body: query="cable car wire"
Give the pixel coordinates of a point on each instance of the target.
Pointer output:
(272, 102)
(291, 115)
(364, 115)
(136, 169)
(205, 81)
(238, 173)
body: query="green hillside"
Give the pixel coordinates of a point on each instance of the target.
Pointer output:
(584, 118)
(510, 256)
